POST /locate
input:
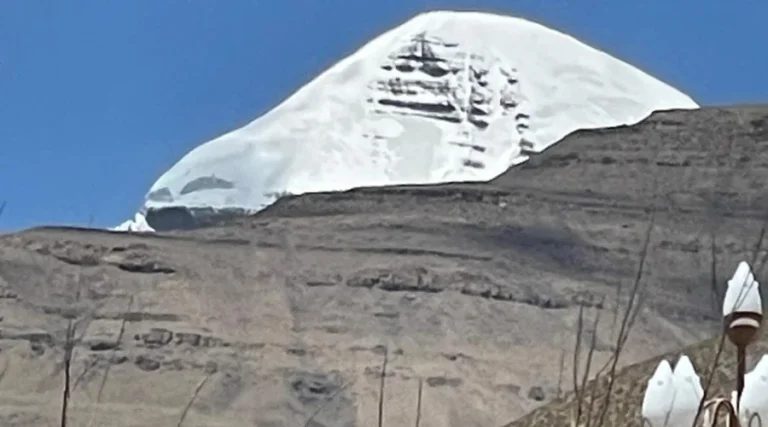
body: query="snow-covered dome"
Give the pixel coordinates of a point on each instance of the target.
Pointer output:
(446, 96)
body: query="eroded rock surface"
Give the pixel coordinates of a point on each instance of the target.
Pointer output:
(470, 293)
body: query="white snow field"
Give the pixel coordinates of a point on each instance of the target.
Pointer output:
(446, 96)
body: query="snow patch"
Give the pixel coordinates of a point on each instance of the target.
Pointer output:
(137, 224)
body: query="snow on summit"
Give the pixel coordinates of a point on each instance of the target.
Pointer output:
(446, 96)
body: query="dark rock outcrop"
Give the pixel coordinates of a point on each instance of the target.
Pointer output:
(189, 218)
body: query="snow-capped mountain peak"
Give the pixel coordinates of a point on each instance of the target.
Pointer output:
(446, 96)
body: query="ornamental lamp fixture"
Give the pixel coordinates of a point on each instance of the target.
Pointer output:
(672, 397)
(742, 307)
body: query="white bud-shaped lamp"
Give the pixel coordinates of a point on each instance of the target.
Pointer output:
(659, 396)
(754, 398)
(688, 393)
(742, 307)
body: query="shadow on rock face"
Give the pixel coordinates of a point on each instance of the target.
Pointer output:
(309, 388)
(322, 397)
(550, 244)
(183, 218)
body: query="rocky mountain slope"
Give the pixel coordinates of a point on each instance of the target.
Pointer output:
(466, 295)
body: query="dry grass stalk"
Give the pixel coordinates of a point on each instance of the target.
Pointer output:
(635, 303)
(192, 399)
(382, 384)
(418, 402)
(68, 347)
(716, 217)
(109, 365)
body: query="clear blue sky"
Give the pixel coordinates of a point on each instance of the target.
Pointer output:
(98, 98)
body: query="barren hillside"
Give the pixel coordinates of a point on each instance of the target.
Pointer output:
(469, 292)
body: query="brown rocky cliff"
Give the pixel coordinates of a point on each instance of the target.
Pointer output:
(471, 289)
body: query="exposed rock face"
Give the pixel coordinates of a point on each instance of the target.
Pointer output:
(469, 291)
(430, 77)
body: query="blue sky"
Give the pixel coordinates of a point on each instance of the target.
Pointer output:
(98, 98)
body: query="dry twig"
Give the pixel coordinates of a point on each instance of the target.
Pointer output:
(418, 403)
(382, 385)
(192, 399)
